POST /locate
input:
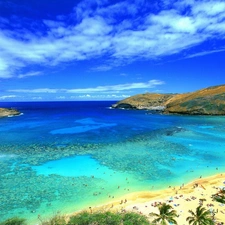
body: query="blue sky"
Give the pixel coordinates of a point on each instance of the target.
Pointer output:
(76, 50)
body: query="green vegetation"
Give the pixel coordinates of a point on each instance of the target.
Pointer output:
(220, 196)
(200, 217)
(166, 215)
(14, 221)
(95, 218)
(134, 219)
(87, 218)
(56, 220)
(108, 218)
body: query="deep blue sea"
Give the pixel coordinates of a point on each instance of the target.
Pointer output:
(67, 156)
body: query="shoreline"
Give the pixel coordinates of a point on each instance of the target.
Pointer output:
(181, 198)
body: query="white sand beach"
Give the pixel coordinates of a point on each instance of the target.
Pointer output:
(183, 198)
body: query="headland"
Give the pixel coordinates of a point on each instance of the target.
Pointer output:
(4, 112)
(207, 101)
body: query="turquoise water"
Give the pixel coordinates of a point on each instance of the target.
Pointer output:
(68, 156)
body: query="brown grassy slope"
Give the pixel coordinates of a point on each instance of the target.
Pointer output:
(207, 101)
(146, 100)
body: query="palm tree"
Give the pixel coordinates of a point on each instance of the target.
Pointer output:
(202, 216)
(222, 192)
(219, 196)
(166, 215)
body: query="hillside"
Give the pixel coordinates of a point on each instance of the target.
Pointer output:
(207, 101)
(144, 101)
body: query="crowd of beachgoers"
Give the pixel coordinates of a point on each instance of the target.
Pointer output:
(182, 199)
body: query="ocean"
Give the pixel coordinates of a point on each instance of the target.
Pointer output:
(61, 157)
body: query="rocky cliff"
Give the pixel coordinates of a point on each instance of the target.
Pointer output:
(208, 101)
(8, 112)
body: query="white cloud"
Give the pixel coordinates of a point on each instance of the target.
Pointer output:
(102, 96)
(84, 96)
(8, 97)
(4, 68)
(119, 87)
(37, 98)
(98, 33)
(39, 90)
(210, 8)
(30, 74)
(61, 97)
(102, 89)
(205, 53)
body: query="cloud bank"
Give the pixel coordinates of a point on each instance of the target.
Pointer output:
(120, 33)
(101, 89)
(108, 92)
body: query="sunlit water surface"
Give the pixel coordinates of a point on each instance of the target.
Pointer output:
(68, 156)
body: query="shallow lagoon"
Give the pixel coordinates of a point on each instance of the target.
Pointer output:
(66, 156)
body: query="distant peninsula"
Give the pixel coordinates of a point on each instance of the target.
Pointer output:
(207, 101)
(4, 112)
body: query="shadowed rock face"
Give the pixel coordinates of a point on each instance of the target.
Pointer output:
(208, 101)
(8, 112)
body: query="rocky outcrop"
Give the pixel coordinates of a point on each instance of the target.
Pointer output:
(8, 112)
(208, 101)
(144, 101)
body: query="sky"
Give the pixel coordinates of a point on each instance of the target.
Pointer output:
(78, 50)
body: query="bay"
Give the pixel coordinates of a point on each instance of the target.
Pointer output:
(68, 156)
